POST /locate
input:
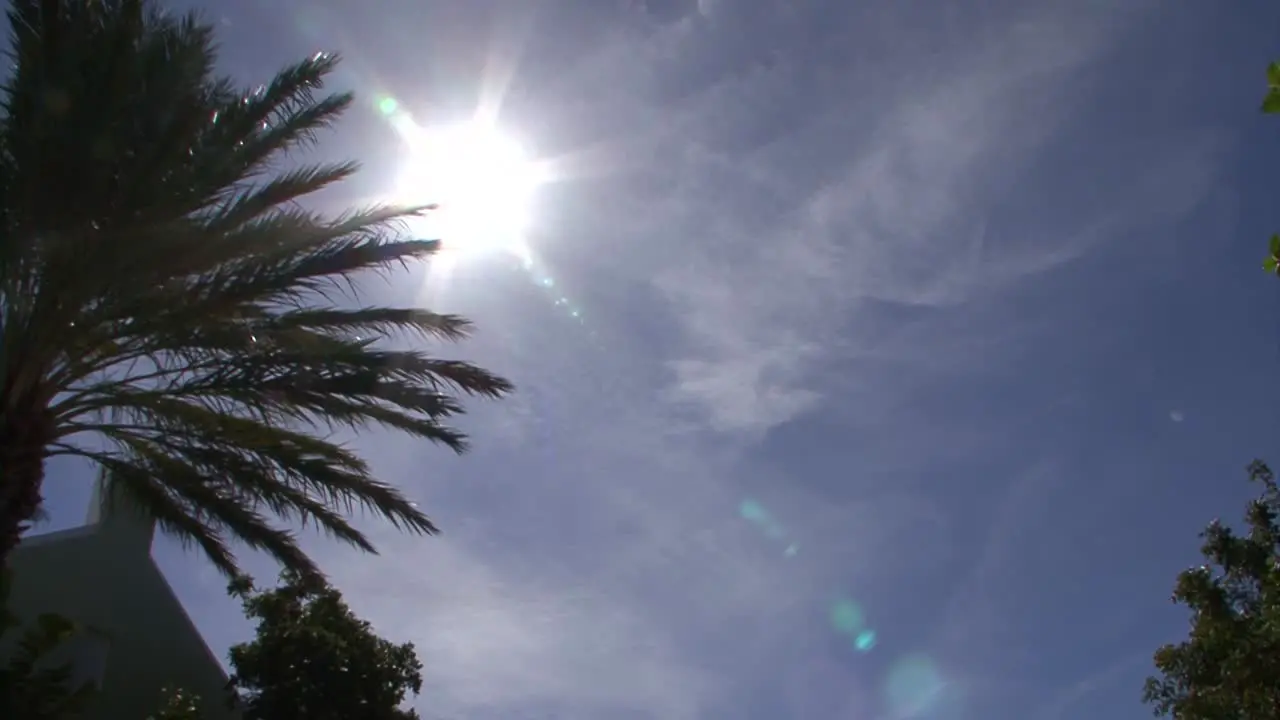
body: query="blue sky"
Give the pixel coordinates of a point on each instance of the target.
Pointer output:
(964, 296)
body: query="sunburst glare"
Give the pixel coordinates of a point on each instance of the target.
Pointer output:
(484, 184)
(481, 179)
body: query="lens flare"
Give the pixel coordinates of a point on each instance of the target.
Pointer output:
(865, 641)
(914, 687)
(847, 617)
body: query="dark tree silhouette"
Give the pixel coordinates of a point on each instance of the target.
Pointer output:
(1229, 666)
(313, 659)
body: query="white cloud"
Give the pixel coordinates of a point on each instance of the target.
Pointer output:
(611, 572)
(1058, 705)
(971, 625)
(622, 581)
(613, 586)
(768, 296)
(501, 639)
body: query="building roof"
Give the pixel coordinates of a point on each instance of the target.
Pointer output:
(103, 576)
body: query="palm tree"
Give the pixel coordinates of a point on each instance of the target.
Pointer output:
(169, 311)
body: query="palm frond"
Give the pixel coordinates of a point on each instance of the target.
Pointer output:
(168, 302)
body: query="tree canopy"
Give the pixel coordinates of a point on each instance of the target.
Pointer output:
(1271, 106)
(1229, 666)
(33, 685)
(178, 704)
(313, 659)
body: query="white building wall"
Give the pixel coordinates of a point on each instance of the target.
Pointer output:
(102, 576)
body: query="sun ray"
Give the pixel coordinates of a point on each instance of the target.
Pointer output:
(506, 48)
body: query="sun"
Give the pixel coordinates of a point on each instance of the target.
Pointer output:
(482, 181)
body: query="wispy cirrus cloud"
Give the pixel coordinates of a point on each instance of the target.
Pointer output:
(776, 250)
(792, 215)
(771, 293)
(501, 636)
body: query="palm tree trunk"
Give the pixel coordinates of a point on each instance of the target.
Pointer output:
(23, 438)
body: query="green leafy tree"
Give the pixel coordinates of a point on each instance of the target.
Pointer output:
(1271, 105)
(1229, 667)
(170, 311)
(313, 659)
(31, 686)
(178, 705)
